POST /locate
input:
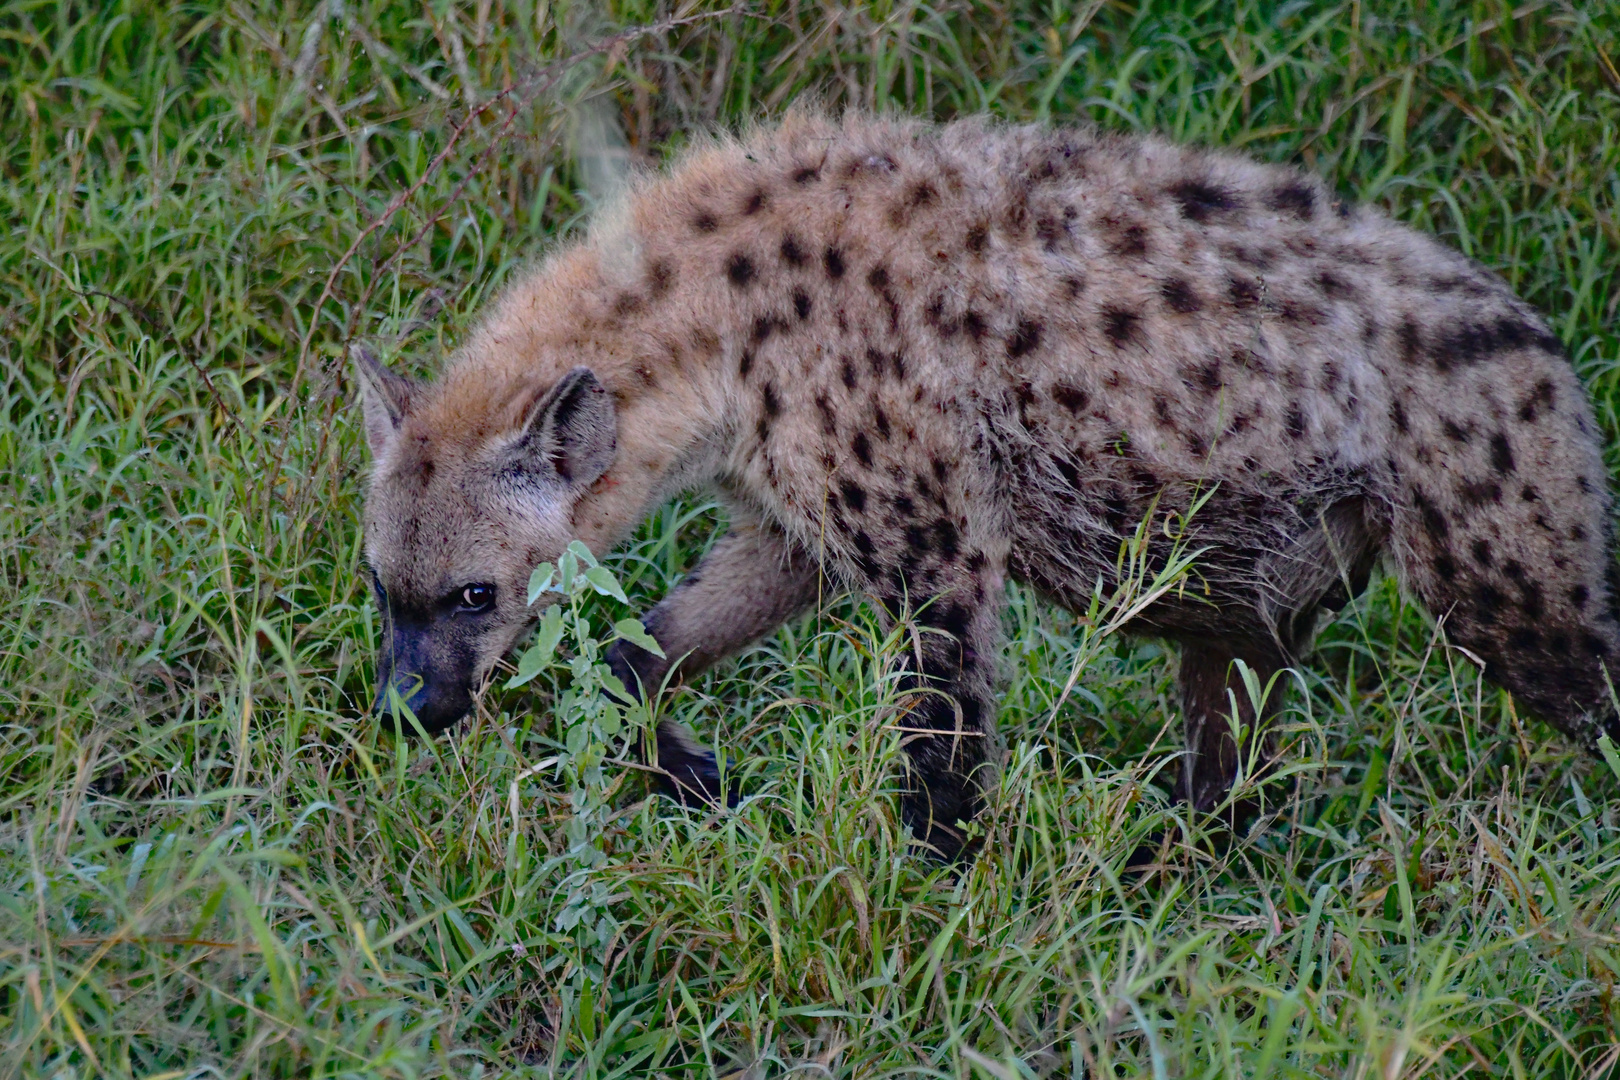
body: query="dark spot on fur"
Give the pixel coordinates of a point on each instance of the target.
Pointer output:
(1292, 310)
(941, 469)
(1071, 397)
(626, 304)
(1334, 286)
(945, 539)
(1540, 398)
(1179, 295)
(1048, 230)
(801, 304)
(878, 278)
(756, 202)
(1295, 422)
(921, 195)
(1075, 285)
(764, 326)
(1482, 552)
(854, 495)
(1434, 522)
(1201, 200)
(1120, 326)
(1258, 258)
(740, 270)
(881, 418)
(1294, 197)
(863, 542)
(1579, 595)
(1501, 453)
(1205, 377)
(1411, 341)
(1243, 292)
(772, 404)
(1025, 338)
(1130, 241)
(848, 374)
(833, 261)
(660, 277)
(1445, 566)
(1471, 341)
(792, 253)
(1488, 602)
(1454, 431)
(806, 174)
(705, 223)
(1161, 409)
(863, 448)
(746, 364)
(829, 419)
(1479, 492)
(973, 323)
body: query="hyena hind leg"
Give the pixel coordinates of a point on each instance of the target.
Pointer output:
(752, 580)
(1326, 565)
(1212, 684)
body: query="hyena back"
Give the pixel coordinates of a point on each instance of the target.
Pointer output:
(918, 360)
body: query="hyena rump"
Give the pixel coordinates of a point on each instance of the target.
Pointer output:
(919, 360)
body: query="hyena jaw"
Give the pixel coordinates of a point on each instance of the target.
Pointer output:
(921, 360)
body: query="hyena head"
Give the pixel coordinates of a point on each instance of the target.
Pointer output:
(456, 518)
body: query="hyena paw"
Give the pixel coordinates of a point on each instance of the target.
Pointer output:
(688, 772)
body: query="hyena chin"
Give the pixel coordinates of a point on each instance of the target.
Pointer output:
(918, 361)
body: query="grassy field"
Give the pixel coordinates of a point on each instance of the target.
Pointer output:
(213, 863)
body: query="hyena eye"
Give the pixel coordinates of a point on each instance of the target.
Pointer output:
(476, 599)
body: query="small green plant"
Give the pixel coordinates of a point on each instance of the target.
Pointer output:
(594, 719)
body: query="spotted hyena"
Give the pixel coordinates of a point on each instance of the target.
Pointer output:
(920, 360)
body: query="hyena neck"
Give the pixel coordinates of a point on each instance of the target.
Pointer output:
(663, 363)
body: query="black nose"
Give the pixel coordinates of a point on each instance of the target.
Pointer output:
(437, 703)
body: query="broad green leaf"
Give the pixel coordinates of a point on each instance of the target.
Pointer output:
(634, 632)
(1610, 754)
(578, 549)
(603, 581)
(540, 580)
(534, 661)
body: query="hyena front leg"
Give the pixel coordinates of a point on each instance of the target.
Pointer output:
(751, 581)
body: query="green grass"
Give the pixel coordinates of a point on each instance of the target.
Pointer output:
(213, 864)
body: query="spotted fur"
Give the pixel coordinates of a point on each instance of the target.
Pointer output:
(922, 360)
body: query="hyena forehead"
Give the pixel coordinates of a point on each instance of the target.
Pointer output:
(439, 523)
(488, 503)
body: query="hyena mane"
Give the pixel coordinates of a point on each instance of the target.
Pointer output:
(916, 361)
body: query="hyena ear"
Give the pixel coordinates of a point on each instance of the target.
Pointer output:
(570, 433)
(385, 397)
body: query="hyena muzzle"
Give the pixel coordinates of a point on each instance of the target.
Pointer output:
(919, 361)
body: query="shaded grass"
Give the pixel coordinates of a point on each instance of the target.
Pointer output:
(214, 862)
